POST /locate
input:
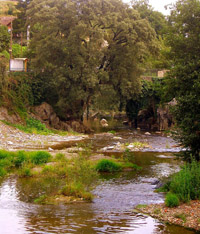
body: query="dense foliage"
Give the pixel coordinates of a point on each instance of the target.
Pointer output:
(83, 45)
(184, 185)
(184, 79)
(4, 38)
(149, 99)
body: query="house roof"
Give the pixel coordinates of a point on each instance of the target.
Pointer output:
(6, 20)
(20, 59)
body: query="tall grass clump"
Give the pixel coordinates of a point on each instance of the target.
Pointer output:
(80, 177)
(76, 190)
(171, 200)
(40, 157)
(21, 158)
(186, 183)
(106, 165)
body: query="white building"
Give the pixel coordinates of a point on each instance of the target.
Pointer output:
(18, 64)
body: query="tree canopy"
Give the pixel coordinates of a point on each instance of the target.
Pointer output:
(83, 45)
(184, 79)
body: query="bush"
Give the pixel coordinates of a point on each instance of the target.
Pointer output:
(21, 157)
(106, 165)
(76, 190)
(4, 154)
(34, 123)
(25, 172)
(171, 200)
(2, 172)
(40, 157)
(186, 183)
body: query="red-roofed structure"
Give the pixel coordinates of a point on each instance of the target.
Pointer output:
(6, 21)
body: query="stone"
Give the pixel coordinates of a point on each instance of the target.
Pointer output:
(147, 133)
(13, 118)
(104, 123)
(117, 138)
(44, 111)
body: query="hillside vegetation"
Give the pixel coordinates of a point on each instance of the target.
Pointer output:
(8, 8)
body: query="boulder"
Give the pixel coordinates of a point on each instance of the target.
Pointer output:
(44, 111)
(46, 114)
(164, 117)
(104, 123)
(11, 118)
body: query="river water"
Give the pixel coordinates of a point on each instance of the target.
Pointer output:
(112, 210)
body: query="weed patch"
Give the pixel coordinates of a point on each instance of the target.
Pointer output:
(106, 165)
(171, 200)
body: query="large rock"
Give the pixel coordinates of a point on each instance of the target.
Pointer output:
(104, 123)
(46, 114)
(164, 117)
(44, 111)
(11, 118)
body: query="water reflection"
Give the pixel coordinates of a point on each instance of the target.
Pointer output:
(111, 211)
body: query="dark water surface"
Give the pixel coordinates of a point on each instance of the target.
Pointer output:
(111, 212)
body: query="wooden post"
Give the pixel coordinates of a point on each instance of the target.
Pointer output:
(21, 43)
(11, 37)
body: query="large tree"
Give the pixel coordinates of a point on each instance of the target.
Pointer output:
(85, 44)
(184, 79)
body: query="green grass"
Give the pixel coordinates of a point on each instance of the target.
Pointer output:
(106, 165)
(171, 200)
(40, 157)
(25, 172)
(34, 126)
(21, 161)
(140, 206)
(79, 173)
(180, 216)
(186, 183)
(76, 190)
(41, 199)
(130, 165)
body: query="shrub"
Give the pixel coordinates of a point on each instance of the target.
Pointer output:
(171, 200)
(34, 123)
(25, 172)
(60, 157)
(40, 157)
(127, 155)
(21, 157)
(186, 183)
(76, 190)
(82, 172)
(106, 165)
(41, 199)
(181, 216)
(2, 172)
(4, 154)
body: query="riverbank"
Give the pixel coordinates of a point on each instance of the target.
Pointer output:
(12, 138)
(186, 215)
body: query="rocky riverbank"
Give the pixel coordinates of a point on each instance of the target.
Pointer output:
(14, 139)
(186, 215)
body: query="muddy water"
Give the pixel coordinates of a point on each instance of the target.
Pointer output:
(111, 212)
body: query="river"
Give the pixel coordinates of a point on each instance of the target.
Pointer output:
(116, 196)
